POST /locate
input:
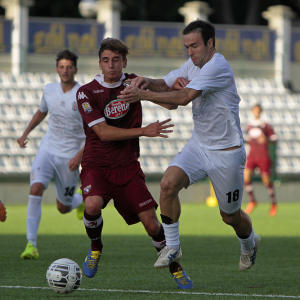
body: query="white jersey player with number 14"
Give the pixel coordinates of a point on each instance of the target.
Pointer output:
(60, 151)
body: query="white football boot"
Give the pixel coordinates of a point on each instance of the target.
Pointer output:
(248, 260)
(166, 256)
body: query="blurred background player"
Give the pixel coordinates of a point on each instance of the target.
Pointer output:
(259, 136)
(110, 166)
(2, 212)
(60, 151)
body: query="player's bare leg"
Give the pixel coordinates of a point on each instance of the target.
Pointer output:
(241, 223)
(249, 189)
(172, 182)
(63, 209)
(77, 202)
(268, 184)
(153, 228)
(2, 212)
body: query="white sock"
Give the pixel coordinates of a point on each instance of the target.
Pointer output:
(247, 244)
(34, 212)
(76, 200)
(172, 235)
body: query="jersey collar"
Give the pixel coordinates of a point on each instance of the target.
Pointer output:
(100, 79)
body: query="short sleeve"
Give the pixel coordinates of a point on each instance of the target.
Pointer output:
(171, 77)
(43, 105)
(214, 75)
(88, 108)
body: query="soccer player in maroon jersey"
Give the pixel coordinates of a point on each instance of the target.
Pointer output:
(2, 212)
(259, 136)
(110, 166)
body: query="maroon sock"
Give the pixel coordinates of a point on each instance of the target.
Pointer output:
(249, 190)
(271, 192)
(159, 240)
(93, 226)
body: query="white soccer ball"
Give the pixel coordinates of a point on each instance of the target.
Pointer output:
(64, 275)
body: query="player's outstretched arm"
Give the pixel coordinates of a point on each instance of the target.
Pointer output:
(37, 118)
(107, 133)
(158, 129)
(143, 83)
(178, 97)
(180, 83)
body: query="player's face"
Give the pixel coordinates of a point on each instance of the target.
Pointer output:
(112, 64)
(66, 71)
(256, 112)
(196, 49)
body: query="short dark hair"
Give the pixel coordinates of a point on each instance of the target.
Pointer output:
(207, 30)
(66, 54)
(114, 45)
(257, 105)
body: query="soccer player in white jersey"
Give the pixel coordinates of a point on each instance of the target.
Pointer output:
(60, 151)
(216, 147)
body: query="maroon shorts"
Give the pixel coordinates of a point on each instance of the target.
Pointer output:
(262, 162)
(125, 185)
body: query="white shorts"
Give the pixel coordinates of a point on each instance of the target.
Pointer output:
(225, 169)
(46, 167)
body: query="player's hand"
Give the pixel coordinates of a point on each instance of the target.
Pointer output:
(158, 129)
(140, 82)
(130, 94)
(180, 83)
(22, 141)
(73, 164)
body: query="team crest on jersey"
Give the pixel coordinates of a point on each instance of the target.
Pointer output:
(86, 107)
(87, 189)
(116, 109)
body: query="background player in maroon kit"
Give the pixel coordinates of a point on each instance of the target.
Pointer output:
(110, 166)
(259, 135)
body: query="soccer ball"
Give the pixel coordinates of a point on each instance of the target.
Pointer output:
(64, 275)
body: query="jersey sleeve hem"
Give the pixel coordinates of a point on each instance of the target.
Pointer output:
(97, 121)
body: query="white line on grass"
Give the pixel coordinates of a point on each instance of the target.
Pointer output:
(156, 292)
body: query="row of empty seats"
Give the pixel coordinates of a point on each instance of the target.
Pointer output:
(259, 85)
(271, 101)
(20, 97)
(34, 80)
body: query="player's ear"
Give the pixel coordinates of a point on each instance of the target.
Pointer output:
(125, 62)
(210, 43)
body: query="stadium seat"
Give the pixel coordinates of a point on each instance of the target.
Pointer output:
(20, 97)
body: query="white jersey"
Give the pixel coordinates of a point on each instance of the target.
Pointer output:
(65, 135)
(216, 110)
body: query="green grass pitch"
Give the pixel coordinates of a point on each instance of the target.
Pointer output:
(210, 257)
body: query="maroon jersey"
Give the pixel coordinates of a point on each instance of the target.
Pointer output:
(259, 134)
(97, 102)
